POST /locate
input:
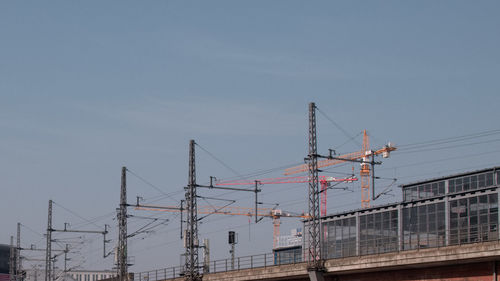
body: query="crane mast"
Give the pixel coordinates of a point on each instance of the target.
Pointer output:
(364, 173)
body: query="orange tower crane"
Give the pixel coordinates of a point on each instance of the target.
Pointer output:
(275, 214)
(324, 181)
(362, 156)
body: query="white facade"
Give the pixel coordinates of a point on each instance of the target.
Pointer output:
(292, 240)
(38, 274)
(91, 275)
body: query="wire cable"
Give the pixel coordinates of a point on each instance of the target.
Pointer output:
(339, 127)
(220, 161)
(440, 160)
(96, 219)
(74, 213)
(30, 229)
(451, 139)
(348, 141)
(414, 150)
(151, 185)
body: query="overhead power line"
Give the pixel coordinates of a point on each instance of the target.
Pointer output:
(74, 213)
(265, 171)
(30, 229)
(220, 161)
(449, 139)
(348, 141)
(411, 150)
(351, 138)
(109, 216)
(152, 185)
(441, 160)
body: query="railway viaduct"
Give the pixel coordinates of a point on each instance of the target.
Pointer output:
(472, 262)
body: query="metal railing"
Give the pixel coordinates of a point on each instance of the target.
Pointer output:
(224, 265)
(370, 246)
(159, 274)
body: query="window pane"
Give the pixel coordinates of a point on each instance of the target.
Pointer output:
(465, 183)
(458, 185)
(489, 179)
(473, 182)
(428, 190)
(435, 190)
(493, 199)
(451, 186)
(481, 180)
(441, 187)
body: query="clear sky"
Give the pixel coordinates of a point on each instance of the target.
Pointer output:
(88, 87)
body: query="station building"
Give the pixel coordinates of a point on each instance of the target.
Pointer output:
(445, 211)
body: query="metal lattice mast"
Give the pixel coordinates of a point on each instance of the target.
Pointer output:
(122, 229)
(66, 251)
(11, 259)
(36, 273)
(314, 258)
(206, 256)
(48, 249)
(233, 253)
(18, 253)
(191, 265)
(54, 268)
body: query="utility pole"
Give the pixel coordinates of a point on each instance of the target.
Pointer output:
(54, 269)
(182, 220)
(66, 250)
(11, 259)
(257, 190)
(191, 265)
(122, 229)
(315, 262)
(48, 249)
(36, 273)
(18, 253)
(232, 242)
(206, 256)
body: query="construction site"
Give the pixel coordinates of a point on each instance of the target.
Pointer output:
(459, 211)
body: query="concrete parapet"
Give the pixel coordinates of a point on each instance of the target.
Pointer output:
(467, 253)
(480, 255)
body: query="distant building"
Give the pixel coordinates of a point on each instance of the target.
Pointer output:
(90, 275)
(4, 262)
(289, 248)
(38, 274)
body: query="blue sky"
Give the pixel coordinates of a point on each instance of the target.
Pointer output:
(86, 88)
